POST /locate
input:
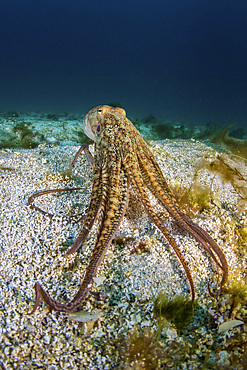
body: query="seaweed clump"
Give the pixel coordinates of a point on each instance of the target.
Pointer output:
(236, 291)
(198, 197)
(168, 130)
(178, 310)
(164, 130)
(25, 134)
(11, 114)
(243, 235)
(21, 137)
(242, 244)
(193, 199)
(221, 167)
(209, 132)
(53, 116)
(144, 350)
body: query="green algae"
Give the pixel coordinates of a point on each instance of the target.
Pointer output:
(194, 198)
(228, 173)
(21, 137)
(209, 132)
(144, 350)
(178, 310)
(236, 291)
(26, 135)
(53, 116)
(241, 243)
(162, 349)
(169, 131)
(242, 234)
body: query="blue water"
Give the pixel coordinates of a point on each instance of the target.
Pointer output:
(180, 60)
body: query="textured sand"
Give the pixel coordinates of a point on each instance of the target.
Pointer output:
(32, 249)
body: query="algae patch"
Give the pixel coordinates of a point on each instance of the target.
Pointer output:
(177, 310)
(21, 137)
(144, 350)
(227, 170)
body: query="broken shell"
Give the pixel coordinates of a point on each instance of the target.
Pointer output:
(99, 280)
(229, 325)
(85, 316)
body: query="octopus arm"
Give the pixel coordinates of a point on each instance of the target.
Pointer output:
(89, 157)
(94, 206)
(159, 188)
(30, 201)
(149, 165)
(136, 178)
(114, 204)
(156, 183)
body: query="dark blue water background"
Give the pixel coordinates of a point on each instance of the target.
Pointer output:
(180, 60)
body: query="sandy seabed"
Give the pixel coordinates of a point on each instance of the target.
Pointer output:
(32, 248)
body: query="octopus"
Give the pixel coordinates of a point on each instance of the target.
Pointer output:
(122, 159)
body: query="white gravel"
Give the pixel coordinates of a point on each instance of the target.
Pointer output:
(32, 249)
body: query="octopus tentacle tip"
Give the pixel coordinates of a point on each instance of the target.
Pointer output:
(217, 293)
(69, 253)
(37, 298)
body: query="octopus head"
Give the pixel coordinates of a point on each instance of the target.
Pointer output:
(92, 121)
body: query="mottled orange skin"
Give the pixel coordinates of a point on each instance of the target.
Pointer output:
(122, 156)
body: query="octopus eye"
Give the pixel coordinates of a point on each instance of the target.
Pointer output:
(99, 110)
(98, 128)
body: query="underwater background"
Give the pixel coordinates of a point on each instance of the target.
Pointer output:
(178, 60)
(178, 67)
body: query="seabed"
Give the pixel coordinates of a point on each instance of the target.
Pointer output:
(125, 333)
